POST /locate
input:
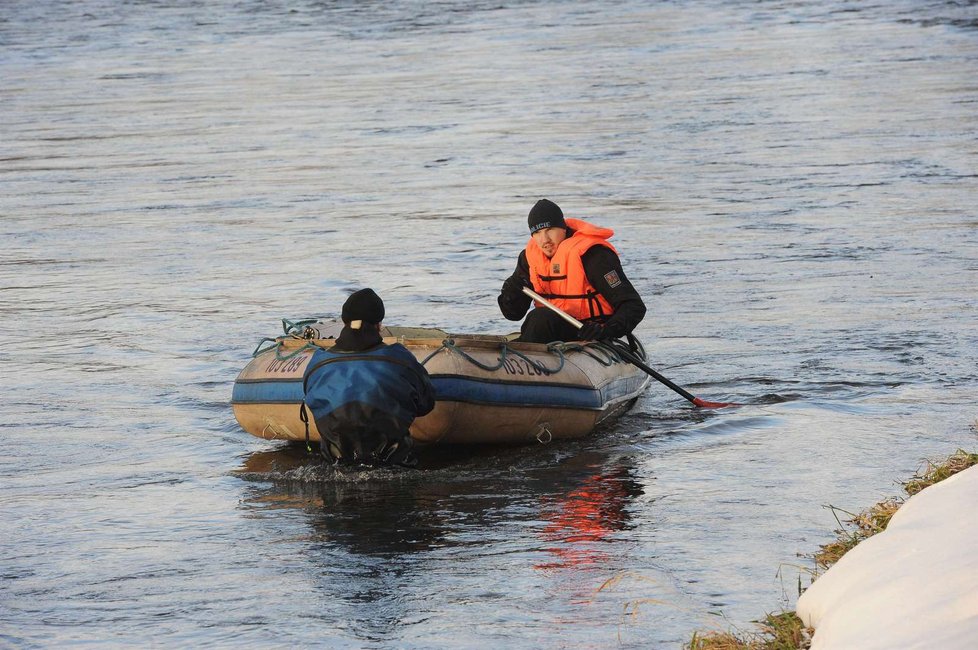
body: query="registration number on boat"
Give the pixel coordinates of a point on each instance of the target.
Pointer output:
(287, 365)
(520, 367)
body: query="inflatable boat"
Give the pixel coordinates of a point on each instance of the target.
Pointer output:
(489, 389)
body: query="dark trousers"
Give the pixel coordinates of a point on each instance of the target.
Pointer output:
(544, 326)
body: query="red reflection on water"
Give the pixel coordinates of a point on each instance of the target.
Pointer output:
(584, 518)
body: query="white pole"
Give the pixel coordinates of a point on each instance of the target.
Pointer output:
(549, 305)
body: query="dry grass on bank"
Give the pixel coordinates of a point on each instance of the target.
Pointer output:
(855, 529)
(937, 472)
(877, 518)
(785, 631)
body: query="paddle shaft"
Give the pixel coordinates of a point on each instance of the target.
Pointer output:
(552, 307)
(631, 358)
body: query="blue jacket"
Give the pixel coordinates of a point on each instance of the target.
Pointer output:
(362, 401)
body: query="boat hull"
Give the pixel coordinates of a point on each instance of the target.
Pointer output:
(488, 389)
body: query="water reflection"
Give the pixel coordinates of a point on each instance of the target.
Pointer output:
(587, 515)
(564, 503)
(793, 184)
(388, 545)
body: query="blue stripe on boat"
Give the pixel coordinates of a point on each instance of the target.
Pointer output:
(462, 389)
(267, 392)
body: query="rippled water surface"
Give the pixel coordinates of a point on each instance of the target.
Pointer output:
(793, 187)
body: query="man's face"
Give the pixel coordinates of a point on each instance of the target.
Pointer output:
(548, 239)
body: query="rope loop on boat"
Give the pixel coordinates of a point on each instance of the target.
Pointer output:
(538, 365)
(437, 350)
(293, 329)
(449, 345)
(504, 350)
(277, 346)
(623, 350)
(598, 351)
(260, 349)
(606, 353)
(297, 351)
(297, 327)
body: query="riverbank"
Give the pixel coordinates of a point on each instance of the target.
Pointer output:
(916, 580)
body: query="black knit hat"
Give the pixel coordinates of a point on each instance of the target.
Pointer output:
(363, 305)
(545, 214)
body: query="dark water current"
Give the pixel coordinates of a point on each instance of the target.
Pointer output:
(794, 190)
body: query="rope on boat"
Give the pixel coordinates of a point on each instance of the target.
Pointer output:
(536, 364)
(437, 350)
(504, 350)
(606, 357)
(296, 328)
(277, 346)
(624, 350)
(450, 346)
(606, 352)
(260, 349)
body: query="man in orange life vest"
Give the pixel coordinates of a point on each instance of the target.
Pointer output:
(571, 264)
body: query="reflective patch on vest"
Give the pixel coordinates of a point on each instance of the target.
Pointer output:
(611, 277)
(555, 268)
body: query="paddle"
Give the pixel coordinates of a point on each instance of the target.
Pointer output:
(628, 356)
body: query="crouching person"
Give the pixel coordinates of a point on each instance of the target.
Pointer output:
(364, 394)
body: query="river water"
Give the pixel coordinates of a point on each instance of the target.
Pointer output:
(793, 187)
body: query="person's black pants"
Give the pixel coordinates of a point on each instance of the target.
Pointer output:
(544, 326)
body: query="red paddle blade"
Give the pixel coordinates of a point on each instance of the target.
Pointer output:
(713, 405)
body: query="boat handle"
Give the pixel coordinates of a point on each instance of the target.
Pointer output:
(544, 435)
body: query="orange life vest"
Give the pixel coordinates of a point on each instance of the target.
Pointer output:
(561, 278)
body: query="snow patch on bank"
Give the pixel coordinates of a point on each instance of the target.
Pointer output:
(915, 585)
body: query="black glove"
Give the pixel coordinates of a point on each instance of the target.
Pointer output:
(614, 330)
(512, 302)
(513, 286)
(593, 331)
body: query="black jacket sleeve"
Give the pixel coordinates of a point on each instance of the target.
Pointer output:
(604, 272)
(425, 400)
(512, 301)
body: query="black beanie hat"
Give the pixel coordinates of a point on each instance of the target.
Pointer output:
(363, 305)
(545, 214)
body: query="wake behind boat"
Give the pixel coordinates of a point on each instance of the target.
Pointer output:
(489, 389)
